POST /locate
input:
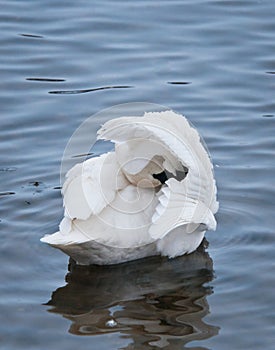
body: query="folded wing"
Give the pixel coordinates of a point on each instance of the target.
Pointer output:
(191, 202)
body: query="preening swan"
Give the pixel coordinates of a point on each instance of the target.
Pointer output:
(154, 194)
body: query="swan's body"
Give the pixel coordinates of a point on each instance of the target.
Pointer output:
(154, 194)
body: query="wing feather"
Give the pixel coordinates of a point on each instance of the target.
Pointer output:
(91, 186)
(183, 207)
(174, 133)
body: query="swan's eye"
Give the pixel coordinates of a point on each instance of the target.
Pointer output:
(162, 177)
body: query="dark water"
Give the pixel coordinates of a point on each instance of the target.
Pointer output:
(62, 61)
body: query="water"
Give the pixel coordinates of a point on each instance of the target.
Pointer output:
(225, 50)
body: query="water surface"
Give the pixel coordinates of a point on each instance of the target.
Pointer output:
(213, 61)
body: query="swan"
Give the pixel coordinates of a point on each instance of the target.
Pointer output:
(154, 194)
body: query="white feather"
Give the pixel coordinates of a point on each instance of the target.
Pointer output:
(91, 186)
(110, 214)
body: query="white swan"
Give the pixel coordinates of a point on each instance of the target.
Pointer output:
(154, 194)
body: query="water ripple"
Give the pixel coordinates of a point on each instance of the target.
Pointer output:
(83, 91)
(35, 36)
(224, 50)
(48, 80)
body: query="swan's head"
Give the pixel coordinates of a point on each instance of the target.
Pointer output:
(152, 175)
(146, 163)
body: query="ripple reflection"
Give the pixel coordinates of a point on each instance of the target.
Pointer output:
(154, 301)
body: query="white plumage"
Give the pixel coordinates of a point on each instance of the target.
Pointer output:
(154, 194)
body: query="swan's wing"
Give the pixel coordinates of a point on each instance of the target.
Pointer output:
(179, 204)
(88, 189)
(181, 218)
(185, 208)
(91, 186)
(170, 135)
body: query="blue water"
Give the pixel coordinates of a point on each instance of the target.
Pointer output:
(223, 55)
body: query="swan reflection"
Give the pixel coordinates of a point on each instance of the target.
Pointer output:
(154, 301)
